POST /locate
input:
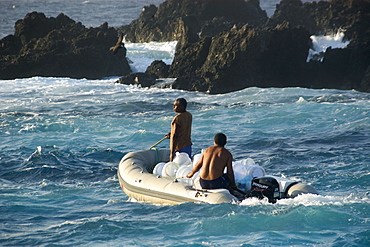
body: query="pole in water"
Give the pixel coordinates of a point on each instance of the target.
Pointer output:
(155, 144)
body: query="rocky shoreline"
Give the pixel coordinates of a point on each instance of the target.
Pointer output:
(223, 46)
(60, 47)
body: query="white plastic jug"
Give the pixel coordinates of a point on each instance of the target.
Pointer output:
(158, 168)
(255, 171)
(196, 158)
(181, 175)
(248, 162)
(182, 159)
(244, 171)
(170, 169)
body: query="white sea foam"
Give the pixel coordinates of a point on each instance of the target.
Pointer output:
(143, 54)
(310, 200)
(322, 42)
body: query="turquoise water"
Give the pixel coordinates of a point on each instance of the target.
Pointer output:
(61, 140)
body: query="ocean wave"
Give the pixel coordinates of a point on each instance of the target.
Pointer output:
(311, 200)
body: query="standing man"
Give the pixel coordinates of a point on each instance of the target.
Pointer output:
(180, 135)
(213, 162)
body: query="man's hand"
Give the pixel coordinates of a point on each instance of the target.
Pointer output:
(190, 174)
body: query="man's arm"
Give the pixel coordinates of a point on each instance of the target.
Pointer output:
(196, 168)
(230, 171)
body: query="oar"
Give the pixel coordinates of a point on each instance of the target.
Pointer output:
(155, 144)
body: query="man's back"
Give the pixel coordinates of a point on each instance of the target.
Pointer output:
(213, 162)
(215, 159)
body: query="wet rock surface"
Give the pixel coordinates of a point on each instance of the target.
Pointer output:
(60, 47)
(226, 48)
(223, 46)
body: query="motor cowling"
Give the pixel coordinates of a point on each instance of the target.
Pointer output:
(272, 187)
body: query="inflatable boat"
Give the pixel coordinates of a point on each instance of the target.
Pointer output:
(140, 179)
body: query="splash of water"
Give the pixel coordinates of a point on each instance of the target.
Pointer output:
(322, 42)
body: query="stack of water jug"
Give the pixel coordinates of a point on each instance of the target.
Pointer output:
(244, 170)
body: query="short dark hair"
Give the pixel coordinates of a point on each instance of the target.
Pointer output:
(182, 102)
(220, 139)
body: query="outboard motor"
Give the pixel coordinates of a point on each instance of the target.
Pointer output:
(271, 187)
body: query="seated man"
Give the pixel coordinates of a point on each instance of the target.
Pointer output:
(213, 162)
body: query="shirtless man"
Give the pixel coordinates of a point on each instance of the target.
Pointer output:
(180, 135)
(213, 162)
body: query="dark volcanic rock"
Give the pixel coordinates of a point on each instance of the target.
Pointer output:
(275, 55)
(325, 16)
(365, 83)
(158, 68)
(222, 46)
(198, 17)
(138, 79)
(341, 68)
(190, 57)
(192, 83)
(60, 47)
(244, 57)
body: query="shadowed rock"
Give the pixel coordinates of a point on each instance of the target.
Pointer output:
(199, 17)
(159, 69)
(225, 46)
(59, 47)
(138, 79)
(222, 46)
(119, 45)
